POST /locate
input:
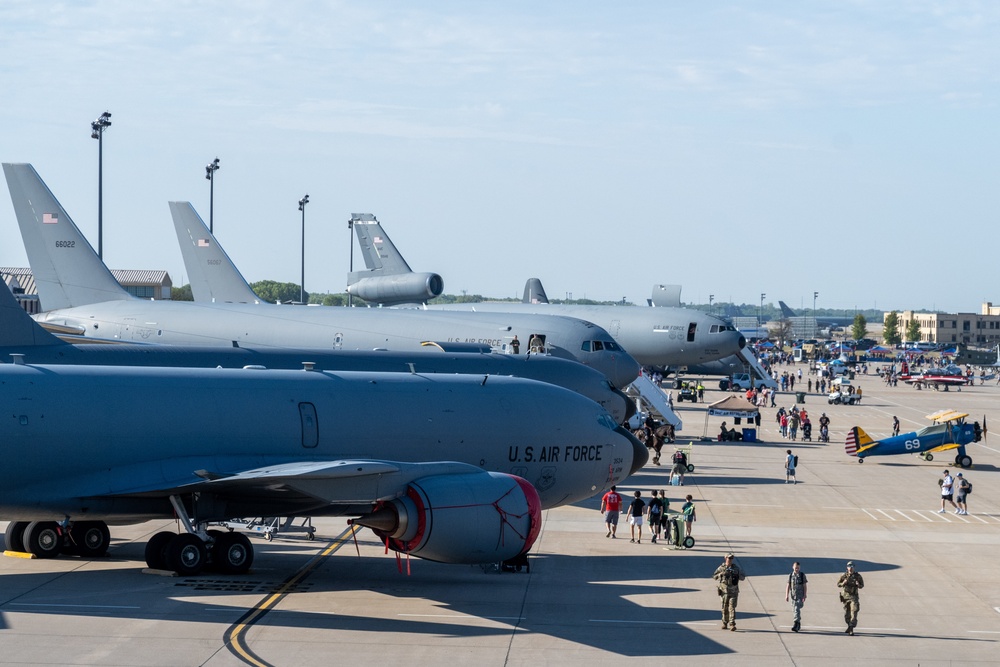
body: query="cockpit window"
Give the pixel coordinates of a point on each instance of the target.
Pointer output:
(598, 345)
(714, 329)
(606, 420)
(611, 345)
(586, 346)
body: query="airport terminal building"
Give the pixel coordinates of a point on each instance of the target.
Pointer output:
(978, 329)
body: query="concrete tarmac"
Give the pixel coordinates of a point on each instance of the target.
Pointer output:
(932, 593)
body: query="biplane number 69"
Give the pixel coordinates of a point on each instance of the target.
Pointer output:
(948, 431)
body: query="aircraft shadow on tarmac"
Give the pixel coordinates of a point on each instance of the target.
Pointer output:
(600, 612)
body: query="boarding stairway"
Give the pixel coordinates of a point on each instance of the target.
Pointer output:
(654, 399)
(761, 378)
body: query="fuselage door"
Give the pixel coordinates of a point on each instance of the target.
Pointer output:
(692, 327)
(338, 341)
(310, 425)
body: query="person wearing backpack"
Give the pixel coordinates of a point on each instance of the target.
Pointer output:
(654, 511)
(790, 462)
(680, 462)
(795, 591)
(964, 489)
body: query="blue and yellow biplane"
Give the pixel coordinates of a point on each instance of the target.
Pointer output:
(948, 431)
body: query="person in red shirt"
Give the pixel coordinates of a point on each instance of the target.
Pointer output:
(611, 506)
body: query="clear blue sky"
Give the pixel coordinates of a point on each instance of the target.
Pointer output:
(849, 148)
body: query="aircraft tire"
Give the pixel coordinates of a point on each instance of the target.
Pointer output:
(43, 539)
(964, 461)
(232, 553)
(928, 457)
(861, 459)
(14, 536)
(90, 539)
(156, 548)
(186, 554)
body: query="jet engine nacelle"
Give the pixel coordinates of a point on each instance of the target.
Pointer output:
(402, 288)
(482, 517)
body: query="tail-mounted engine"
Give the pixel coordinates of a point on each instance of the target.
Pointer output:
(482, 517)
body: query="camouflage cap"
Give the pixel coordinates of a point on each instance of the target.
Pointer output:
(850, 563)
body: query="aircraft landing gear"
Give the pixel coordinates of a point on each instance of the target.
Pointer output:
(963, 461)
(926, 456)
(191, 552)
(47, 539)
(861, 459)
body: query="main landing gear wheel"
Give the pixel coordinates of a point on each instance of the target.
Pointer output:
(186, 554)
(861, 459)
(90, 539)
(14, 536)
(43, 539)
(156, 550)
(232, 553)
(927, 457)
(963, 461)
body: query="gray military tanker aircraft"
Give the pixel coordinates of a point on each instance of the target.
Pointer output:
(81, 296)
(24, 340)
(667, 337)
(452, 468)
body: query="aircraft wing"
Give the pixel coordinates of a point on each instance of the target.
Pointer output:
(350, 481)
(942, 416)
(944, 448)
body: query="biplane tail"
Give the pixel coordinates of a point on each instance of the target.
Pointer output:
(858, 441)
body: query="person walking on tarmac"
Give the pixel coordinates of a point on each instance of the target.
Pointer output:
(729, 575)
(849, 584)
(611, 507)
(796, 590)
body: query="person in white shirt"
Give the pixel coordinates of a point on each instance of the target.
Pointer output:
(947, 484)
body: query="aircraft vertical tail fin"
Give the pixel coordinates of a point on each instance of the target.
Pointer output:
(67, 271)
(380, 255)
(534, 292)
(786, 312)
(16, 326)
(666, 296)
(213, 276)
(857, 439)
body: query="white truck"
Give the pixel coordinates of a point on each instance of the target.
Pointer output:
(740, 381)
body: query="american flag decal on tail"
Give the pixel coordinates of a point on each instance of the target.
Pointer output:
(50, 218)
(851, 447)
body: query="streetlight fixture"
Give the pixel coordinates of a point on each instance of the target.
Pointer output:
(815, 326)
(98, 126)
(711, 298)
(302, 284)
(210, 170)
(759, 312)
(350, 242)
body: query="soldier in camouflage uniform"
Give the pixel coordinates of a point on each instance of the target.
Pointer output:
(849, 584)
(795, 591)
(729, 575)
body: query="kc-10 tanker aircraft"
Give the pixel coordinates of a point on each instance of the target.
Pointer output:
(452, 468)
(24, 340)
(661, 337)
(81, 296)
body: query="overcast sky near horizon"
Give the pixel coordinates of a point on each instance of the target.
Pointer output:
(736, 148)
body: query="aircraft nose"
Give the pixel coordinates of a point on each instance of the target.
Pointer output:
(640, 454)
(626, 369)
(630, 407)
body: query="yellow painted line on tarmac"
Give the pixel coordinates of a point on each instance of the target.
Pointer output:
(235, 636)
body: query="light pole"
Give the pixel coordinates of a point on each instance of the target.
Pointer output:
(302, 284)
(815, 326)
(350, 239)
(759, 311)
(210, 170)
(98, 126)
(711, 298)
